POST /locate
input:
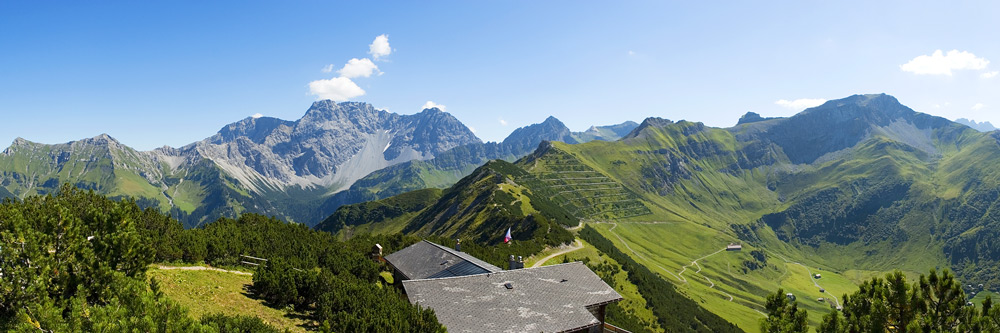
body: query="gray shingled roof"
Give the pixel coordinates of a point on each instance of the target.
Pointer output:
(425, 260)
(544, 299)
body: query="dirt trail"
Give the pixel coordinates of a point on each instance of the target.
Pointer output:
(578, 245)
(201, 268)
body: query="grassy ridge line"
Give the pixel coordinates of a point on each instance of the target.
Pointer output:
(674, 312)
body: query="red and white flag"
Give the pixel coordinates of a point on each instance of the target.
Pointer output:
(507, 238)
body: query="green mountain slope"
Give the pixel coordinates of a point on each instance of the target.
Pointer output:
(447, 168)
(479, 207)
(386, 216)
(851, 188)
(100, 163)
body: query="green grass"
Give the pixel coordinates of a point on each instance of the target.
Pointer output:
(669, 248)
(978, 299)
(206, 292)
(632, 301)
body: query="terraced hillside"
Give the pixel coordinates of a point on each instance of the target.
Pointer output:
(585, 192)
(849, 189)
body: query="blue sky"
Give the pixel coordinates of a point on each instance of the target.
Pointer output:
(171, 73)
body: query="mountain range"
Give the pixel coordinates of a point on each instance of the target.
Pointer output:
(299, 170)
(862, 181)
(979, 126)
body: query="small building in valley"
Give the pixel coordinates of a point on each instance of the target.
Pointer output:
(734, 247)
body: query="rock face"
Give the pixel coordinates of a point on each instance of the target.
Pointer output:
(265, 165)
(448, 167)
(843, 123)
(982, 127)
(331, 146)
(527, 138)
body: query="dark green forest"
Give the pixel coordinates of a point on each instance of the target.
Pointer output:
(934, 303)
(77, 261)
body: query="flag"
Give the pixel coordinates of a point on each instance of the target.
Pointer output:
(506, 239)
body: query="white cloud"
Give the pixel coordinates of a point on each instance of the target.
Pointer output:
(342, 88)
(338, 89)
(256, 115)
(631, 53)
(941, 63)
(989, 75)
(978, 106)
(358, 68)
(801, 103)
(431, 105)
(379, 47)
(502, 122)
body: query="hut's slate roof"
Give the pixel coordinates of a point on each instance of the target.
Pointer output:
(543, 299)
(426, 260)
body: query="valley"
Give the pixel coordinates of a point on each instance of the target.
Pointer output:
(673, 195)
(816, 218)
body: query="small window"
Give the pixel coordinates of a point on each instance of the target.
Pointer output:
(508, 285)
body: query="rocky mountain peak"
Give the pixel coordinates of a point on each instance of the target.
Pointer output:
(255, 129)
(979, 126)
(651, 122)
(750, 117)
(843, 123)
(525, 139)
(101, 140)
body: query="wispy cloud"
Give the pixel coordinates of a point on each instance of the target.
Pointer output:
(801, 103)
(989, 75)
(940, 63)
(380, 47)
(327, 68)
(978, 106)
(431, 105)
(502, 122)
(256, 115)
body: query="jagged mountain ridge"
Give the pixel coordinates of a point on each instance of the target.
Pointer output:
(261, 164)
(881, 187)
(331, 146)
(447, 168)
(864, 175)
(979, 126)
(264, 165)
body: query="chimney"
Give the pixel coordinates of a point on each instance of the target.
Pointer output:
(458, 244)
(515, 263)
(377, 252)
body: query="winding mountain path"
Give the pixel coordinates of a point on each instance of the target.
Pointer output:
(578, 245)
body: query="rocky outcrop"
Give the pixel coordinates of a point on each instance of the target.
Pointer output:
(331, 146)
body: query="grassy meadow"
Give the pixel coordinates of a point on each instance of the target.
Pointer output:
(205, 292)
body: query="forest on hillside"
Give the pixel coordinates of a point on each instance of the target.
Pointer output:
(77, 261)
